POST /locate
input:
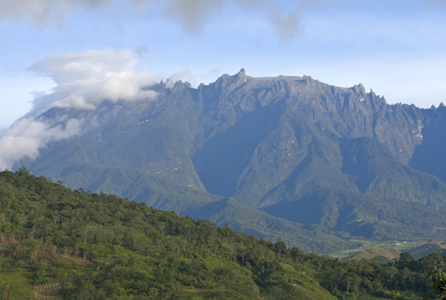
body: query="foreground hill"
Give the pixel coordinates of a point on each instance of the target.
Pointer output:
(104, 247)
(57, 243)
(283, 145)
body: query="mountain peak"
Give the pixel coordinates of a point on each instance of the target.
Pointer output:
(241, 73)
(359, 88)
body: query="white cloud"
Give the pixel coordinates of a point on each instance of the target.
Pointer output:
(87, 79)
(93, 64)
(84, 81)
(27, 136)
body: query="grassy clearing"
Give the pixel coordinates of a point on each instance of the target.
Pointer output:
(208, 294)
(20, 284)
(402, 246)
(385, 255)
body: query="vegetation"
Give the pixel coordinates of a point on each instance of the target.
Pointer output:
(58, 241)
(309, 238)
(104, 247)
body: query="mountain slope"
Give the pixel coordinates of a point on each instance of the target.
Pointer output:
(362, 215)
(429, 155)
(308, 237)
(262, 141)
(376, 172)
(134, 184)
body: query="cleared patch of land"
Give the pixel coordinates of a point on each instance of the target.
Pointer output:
(19, 280)
(386, 249)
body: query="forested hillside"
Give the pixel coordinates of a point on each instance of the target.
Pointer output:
(80, 245)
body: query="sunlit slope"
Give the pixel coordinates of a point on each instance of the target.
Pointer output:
(104, 247)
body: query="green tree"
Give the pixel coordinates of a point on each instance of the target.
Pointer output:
(440, 285)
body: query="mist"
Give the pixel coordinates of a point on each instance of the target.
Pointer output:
(83, 81)
(27, 136)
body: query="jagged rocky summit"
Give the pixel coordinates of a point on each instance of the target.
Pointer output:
(302, 159)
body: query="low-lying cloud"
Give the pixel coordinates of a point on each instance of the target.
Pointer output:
(84, 81)
(27, 136)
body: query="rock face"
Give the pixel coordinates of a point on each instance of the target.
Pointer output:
(262, 141)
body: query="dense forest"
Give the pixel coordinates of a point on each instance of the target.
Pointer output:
(72, 244)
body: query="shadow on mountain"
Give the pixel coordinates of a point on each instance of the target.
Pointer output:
(362, 215)
(222, 158)
(430, 155)
(309, 238)
(376, 172)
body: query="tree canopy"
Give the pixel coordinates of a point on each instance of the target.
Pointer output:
(99, 246)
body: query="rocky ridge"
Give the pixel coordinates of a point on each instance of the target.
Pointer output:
(264, 142)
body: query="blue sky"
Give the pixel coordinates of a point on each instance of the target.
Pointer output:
(397, 48)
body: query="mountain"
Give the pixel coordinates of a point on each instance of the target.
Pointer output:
(240, 217)
(294, 154)
(363, 216)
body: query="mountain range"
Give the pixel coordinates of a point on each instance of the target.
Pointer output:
(323, 167)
